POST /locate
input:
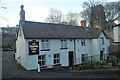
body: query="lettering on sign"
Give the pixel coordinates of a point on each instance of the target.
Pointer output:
(33, 48)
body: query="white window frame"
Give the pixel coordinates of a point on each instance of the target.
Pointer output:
(56, 59)
(63, 43)
(84, 58)
(41, 60)
(83, 42)
(45, 44)
(102, 40)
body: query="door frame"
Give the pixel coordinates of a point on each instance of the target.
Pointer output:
(70, 58)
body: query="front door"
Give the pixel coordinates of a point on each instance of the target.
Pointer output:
(101, 54)
(71, 58)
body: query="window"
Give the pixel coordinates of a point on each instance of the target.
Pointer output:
(45, 44)
(102, 39)
(84, 58)
(56, 58)
(83, 42)
(64, 43)
(41, 60)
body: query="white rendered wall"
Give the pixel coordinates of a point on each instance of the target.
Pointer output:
(30, 62)
(105, 46)
(55, 45)
(93, 47)
(80, 49)
(116, 34)
(21, 50)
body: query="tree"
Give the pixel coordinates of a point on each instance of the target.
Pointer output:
(112, 12)
(72, 18)
(93, 10)
(55, 16)
(94, 13)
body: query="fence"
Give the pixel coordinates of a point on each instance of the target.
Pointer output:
(85, 59)
(103, 60)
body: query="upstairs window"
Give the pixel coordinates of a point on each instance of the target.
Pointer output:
(57, 58)
(83, 42)
(45, 44)
(63, 43)
(102, 39)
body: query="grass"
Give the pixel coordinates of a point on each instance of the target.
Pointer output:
(96, 71)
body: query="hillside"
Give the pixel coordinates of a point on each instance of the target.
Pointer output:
(8, 37)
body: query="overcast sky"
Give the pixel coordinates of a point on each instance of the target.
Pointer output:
(35, 10)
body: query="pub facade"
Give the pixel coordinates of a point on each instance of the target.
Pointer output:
(51, 45)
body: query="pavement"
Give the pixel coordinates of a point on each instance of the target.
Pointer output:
(11, 69)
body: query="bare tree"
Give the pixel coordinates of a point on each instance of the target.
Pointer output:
(55, 16)
(112, 12)
(72, 18)
(91, 12)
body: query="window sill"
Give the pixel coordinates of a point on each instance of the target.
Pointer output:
(45, 50)
(63, 48)
(83, 45)
(57, 64)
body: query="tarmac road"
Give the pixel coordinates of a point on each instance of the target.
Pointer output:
(11, 69)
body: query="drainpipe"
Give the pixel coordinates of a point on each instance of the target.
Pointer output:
(75, 51)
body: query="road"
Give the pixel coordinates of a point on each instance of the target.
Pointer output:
(11, 69)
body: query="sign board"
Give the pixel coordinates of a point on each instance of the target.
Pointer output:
(33, 47)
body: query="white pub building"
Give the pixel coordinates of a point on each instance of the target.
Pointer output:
(49, 44)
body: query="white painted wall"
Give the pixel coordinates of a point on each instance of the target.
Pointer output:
(30, 62)
(105, 46)
(20, 55)
(116, 34)
(80, 49)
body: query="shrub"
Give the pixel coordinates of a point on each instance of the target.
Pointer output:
(84, 66)
(80, 67)
(109, 65)
(95, 64)
(103, 62)
(114, 60)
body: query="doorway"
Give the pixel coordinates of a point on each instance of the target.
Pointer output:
(71, 58)
(101, 54)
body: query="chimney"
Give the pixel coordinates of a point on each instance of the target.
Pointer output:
(83, 23)
(22, 14)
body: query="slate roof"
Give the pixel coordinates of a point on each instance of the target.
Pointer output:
(38, 30)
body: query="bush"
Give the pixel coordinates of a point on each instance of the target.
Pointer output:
(95, 64)
(114, 60)
(109, 65)
(80, 67)
(103, 62)
(87, 65)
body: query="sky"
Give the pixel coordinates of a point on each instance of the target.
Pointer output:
(35, 10)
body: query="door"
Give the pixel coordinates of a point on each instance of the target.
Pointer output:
(71, 58)
(101, 54)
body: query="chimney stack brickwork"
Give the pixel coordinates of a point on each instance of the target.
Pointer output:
(22, 14)
(83, 23)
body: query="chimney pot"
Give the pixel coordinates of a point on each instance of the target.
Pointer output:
(22, 14)
(83, 23)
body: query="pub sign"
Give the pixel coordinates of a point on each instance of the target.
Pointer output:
(33, 47)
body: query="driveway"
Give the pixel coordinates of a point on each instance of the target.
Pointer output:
(11, 69)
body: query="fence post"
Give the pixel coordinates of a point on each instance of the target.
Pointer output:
(72, 63)
(91, 61)
(104, 56)
(38, 68)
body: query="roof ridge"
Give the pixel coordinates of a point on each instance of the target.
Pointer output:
(53, 23)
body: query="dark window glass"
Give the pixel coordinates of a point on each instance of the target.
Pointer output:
(41, 59)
